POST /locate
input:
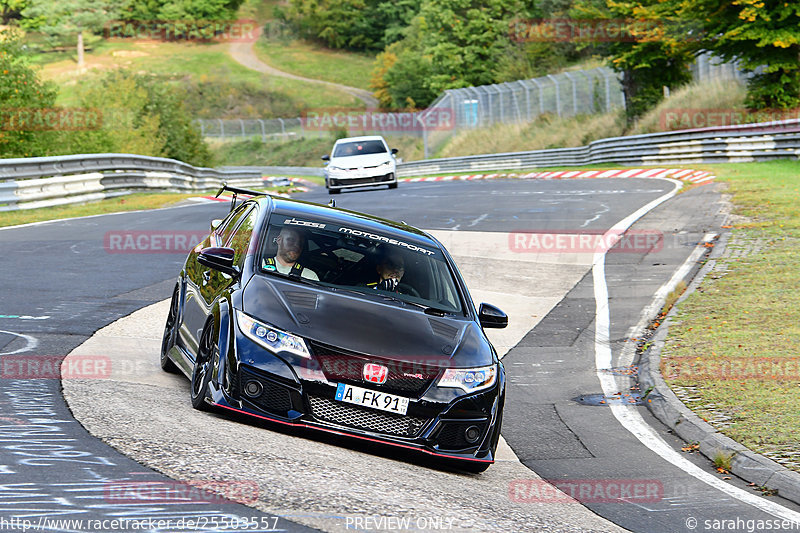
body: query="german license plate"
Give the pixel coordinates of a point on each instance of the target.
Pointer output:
(371, 398)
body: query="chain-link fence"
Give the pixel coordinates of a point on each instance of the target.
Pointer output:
(577, 92)
(708, 67)
(570, 93)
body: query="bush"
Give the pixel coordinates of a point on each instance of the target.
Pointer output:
(22, 93)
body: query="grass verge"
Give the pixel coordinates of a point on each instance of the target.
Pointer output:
(130, 202)
(732, 349)
(198, 62)
(302, 151)
(311, 61)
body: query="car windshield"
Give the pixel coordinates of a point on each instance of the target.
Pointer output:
(359, 148)
(365, 261)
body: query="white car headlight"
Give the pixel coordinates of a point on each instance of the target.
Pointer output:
(270, 337)
(336, 169)
(469, 379)
(385, 166)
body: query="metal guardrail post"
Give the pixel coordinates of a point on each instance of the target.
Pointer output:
(527, 98)
(608, 90)
(541, 95)
(574, 93)
(558, 93)
(425, 149)
(263, 131)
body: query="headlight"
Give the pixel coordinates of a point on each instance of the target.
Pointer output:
(385, 166)
(336, 169)
(469, 379)
(271, 337)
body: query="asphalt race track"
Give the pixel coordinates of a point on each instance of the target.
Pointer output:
(64, 281)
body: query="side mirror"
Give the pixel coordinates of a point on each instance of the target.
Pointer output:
(218, 258)
(326, 157)
(394, 151)
(215, 224)
(492, 317)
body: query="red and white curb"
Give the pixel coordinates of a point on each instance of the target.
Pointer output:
(689, 175)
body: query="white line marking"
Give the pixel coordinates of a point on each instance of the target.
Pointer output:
(479, 219)
(31, 342)
(629, 417)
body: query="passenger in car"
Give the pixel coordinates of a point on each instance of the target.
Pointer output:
(291, 242)
(390, 268)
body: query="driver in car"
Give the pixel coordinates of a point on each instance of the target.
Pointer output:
(390, 268)
(291, 242)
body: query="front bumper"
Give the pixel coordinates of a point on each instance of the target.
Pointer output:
(432, 424)
(340, 181)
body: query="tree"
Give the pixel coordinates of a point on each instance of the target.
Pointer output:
(11, 9)
(180, 10)
(449, 44)
(21, 94)
(63, 18)
(762, 35)
(653, 50)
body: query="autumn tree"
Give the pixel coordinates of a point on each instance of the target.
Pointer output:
(653, 50)
(763, 35)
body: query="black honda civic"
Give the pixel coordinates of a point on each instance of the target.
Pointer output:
(318, 317)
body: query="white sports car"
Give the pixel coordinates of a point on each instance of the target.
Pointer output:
(359, 162)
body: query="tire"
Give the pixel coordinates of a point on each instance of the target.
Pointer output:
(393, 185)
(170, 334)
(203, 365)
(334, 191)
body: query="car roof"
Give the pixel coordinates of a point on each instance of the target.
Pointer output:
(288, 206)
(362, 138)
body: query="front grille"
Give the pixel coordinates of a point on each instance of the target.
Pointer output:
(360, 181)
(404, 377)
(363, 418)
(451, 435)
(274, 398)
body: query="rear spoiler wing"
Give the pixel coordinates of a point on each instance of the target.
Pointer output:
(237, 191)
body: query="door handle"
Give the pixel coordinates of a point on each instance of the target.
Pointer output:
(206, 277)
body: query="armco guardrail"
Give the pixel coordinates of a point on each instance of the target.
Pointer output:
(47, 181)
(731, 144)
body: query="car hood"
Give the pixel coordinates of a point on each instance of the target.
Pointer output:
(359, 161)
(364, 325)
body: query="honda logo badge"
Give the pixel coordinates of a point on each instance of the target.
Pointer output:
(375, 373)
